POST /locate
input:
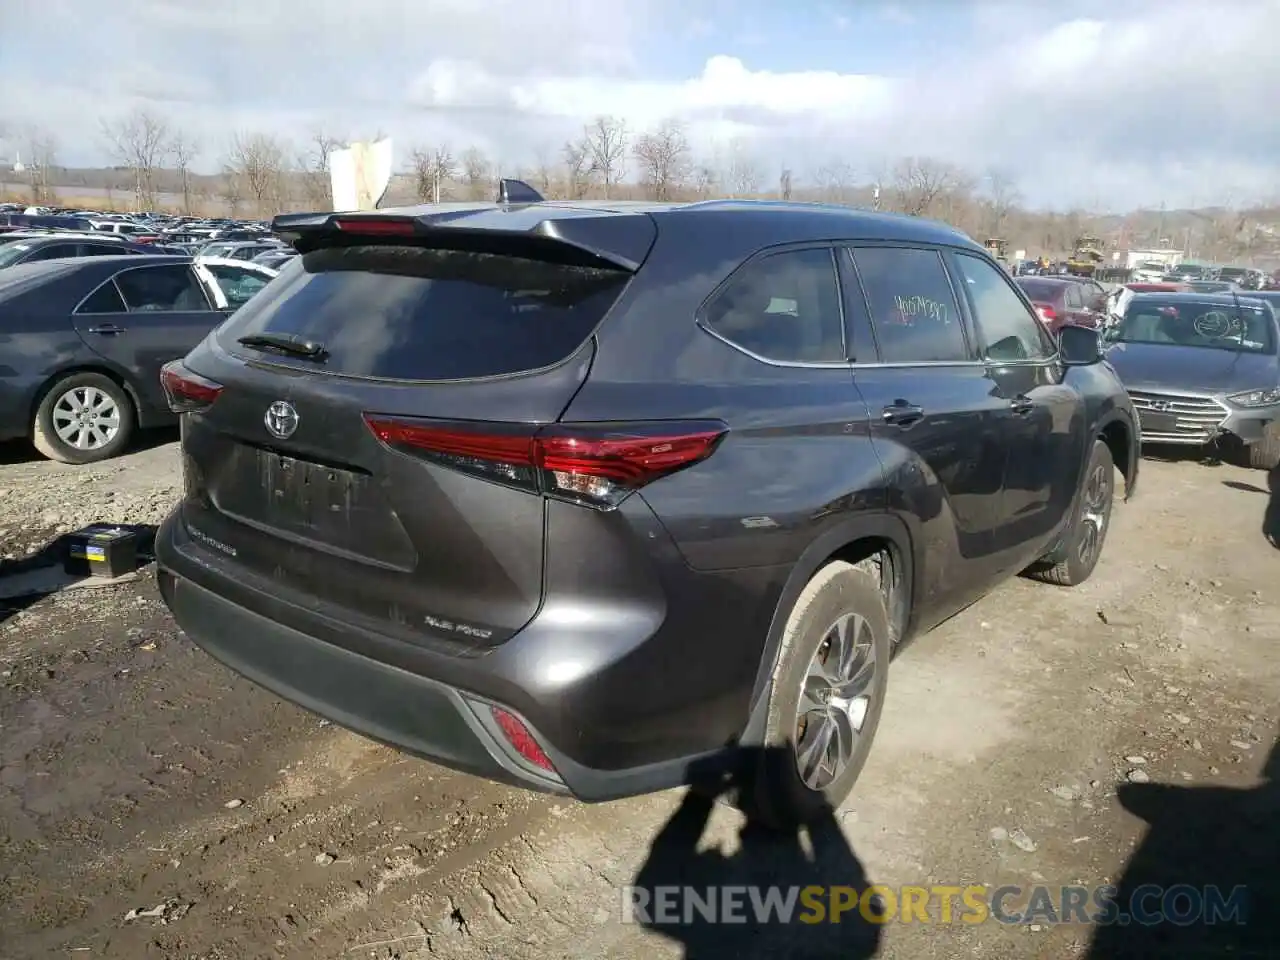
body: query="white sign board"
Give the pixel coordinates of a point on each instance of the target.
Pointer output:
(360, 175)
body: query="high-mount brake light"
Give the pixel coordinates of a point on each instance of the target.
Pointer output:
(593, 464)
(375, 228)
(185, 390)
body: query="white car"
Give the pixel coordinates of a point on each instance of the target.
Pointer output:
(233, 281)
(1149, 272)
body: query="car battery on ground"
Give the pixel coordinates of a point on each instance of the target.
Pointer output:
(101, 550)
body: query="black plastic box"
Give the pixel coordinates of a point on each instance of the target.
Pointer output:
(101, 550)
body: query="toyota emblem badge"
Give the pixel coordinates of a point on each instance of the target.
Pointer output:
(281, 419)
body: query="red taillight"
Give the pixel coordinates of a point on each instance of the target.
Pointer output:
(596, 464)
(187, 391)
(521, 739)
(1047, 313)
(375, 228)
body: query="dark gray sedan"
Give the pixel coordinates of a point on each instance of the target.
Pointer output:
(1202, 369)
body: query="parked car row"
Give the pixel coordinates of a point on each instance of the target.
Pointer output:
(1199, 358)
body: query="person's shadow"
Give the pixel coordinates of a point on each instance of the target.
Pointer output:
(1205, 881)
(754, 902)
(1271, 517)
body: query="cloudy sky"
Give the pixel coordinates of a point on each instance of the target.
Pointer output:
(1102, 103)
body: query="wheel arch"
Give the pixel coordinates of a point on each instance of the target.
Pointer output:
(881, 539)
(103, 369)
(1121, 439)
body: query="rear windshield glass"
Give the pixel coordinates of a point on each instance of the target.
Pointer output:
(1044, 291)
(409, 313)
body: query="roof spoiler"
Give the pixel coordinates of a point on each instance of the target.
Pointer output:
(517, 191)
(604, 240)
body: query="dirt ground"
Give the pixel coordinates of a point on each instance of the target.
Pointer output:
(152, 804)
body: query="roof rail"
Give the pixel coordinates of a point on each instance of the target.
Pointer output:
(517, 191)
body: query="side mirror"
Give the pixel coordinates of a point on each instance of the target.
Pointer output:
(1079, 346)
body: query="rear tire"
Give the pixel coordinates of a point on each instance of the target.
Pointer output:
(840, 616)
(83, 418)
(1265, 454)
(1088, 531)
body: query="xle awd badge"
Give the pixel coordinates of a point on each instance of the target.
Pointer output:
(281, 420)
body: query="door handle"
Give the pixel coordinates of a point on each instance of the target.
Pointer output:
(1022, 405)
(902, 414)
(107, 330)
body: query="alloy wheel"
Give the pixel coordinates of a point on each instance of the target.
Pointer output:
(1093, 514)
(86, 418)
(835, 700)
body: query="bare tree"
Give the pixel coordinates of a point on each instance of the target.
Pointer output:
(837, 181)
(577, 167)
(477, 173)
(433, 167)
(742, 172)
(918, 183)
(42, 157)
(231, 186)
(785, 186)
(663, 159)
(313, 164)
(706, 180)
(606, 141)
(543, 177)
(184, 150)
(259, 160)
(139, 141)
(1002, 198)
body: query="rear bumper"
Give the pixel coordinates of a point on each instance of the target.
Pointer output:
(382, 702)
(615, 677)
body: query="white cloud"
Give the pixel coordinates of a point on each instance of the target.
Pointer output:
(1127, 103)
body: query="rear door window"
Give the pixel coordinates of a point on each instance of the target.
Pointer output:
(785, 307)
(409, 313)
(106, 299)
(166, 288)
(54, 251)
(913, 307)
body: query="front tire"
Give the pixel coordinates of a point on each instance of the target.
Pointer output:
(83, 418)
(827, 694)
(1088, 530)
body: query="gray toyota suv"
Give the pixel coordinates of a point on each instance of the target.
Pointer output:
(588, 497)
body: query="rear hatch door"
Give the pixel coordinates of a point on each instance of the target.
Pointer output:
(287, 481)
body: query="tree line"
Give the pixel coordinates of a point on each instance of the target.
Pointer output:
(261, 174)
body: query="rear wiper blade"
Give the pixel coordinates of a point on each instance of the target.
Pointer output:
(307, 349)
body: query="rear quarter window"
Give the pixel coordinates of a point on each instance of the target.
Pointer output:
(409, 313)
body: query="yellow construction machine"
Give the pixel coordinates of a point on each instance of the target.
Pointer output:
(1085, 258)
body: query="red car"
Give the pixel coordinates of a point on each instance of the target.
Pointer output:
(1062, 300)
